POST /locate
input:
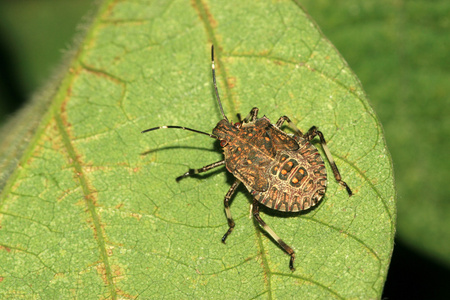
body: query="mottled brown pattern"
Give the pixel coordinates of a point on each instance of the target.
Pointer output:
(282, 172)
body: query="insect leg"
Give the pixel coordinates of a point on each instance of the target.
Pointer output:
(252, 116)
(280, 123)
(226, 203)
(312, 132)
(273, 235)
(201, 170)
(239, 117)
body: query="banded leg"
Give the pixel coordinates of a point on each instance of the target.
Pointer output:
(201, 170)
(226, 203)
(291, 125)
(273, 235)
(252, 116)
(312, 132)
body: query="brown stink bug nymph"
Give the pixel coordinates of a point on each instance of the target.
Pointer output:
(281, 171)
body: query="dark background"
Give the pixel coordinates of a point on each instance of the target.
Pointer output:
(399, 51)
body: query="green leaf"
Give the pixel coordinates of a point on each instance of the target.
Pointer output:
(93, 207)
(400, 60)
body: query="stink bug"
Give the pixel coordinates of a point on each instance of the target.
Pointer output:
(281, 171)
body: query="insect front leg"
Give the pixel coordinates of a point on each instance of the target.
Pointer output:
(312, 132)
(239, 117)
(269, 230)
(226, 203)
(252, 116)
(291, 125)
(201, 170)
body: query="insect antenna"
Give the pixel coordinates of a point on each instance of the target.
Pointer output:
(218, 100)
(181, 127)
(215, 84)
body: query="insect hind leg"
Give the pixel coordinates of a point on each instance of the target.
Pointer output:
(192, 172)
(313, 132)
(226, 203)
(269, 230)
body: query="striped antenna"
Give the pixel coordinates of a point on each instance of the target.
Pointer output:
(218, 100)
(215, 84)
(181, 127)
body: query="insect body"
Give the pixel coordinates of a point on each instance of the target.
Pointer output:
(283, 172)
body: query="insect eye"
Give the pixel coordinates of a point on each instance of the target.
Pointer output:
(223, 143)
(237, 125)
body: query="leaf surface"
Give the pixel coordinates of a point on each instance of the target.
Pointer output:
(93, 209)
(399, 57)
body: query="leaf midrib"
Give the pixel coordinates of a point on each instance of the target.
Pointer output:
(88, 198)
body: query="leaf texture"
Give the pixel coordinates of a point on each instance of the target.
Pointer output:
(93, 209)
